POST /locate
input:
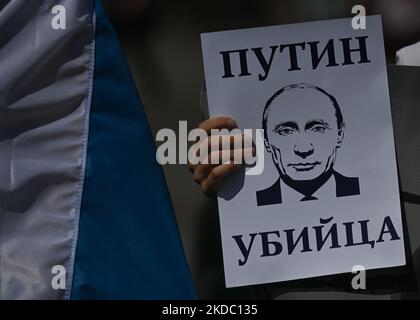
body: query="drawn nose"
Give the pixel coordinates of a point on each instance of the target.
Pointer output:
(304, 151)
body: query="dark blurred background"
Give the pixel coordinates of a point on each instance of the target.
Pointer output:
(161, 39)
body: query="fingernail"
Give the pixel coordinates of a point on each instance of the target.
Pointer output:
(232, 123)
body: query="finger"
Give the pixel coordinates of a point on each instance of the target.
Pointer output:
(212, 183)
(239, 156)
(217, 158)
(199, 151)
(218, 123)
(231, 141)
(202, 171)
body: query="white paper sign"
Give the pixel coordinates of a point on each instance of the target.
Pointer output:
(328, 197)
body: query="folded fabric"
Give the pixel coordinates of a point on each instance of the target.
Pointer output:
(79, 184)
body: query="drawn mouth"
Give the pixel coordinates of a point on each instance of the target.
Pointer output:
(303, 166)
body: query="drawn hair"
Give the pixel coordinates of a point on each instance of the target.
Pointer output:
(338, 114)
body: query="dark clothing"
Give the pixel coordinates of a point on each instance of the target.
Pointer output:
(345, 186)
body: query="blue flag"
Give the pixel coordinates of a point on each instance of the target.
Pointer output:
(81, 194)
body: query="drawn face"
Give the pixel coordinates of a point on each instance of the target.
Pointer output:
(302, 133)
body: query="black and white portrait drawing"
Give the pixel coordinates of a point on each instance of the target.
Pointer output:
(303, 132)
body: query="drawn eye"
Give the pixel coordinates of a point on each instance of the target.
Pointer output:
(319, 129)
(285, 131)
